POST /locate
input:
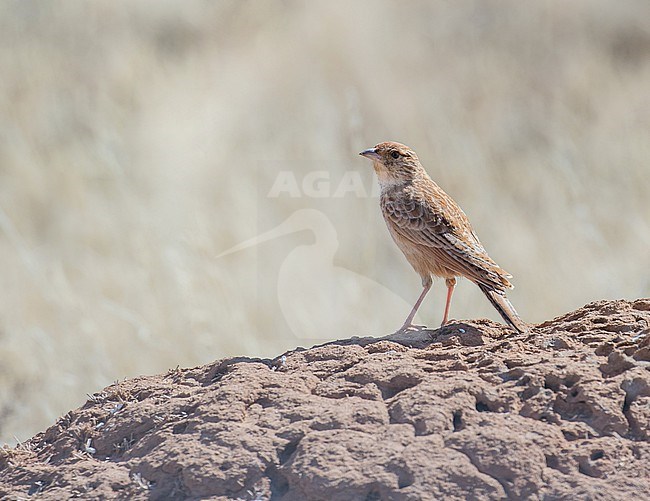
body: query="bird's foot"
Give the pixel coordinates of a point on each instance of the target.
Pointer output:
(448, 322)
(411, 328)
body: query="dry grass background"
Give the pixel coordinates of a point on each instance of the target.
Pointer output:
(139, 140)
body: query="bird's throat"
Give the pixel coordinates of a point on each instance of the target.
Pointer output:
(386, 178)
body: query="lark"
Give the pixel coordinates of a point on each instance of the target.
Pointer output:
(434, 233)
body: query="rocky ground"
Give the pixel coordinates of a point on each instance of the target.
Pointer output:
(469, 411)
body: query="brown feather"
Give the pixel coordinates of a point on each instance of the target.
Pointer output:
(431, 229)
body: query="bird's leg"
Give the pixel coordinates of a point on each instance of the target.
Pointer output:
(451, 283)
(426, 283)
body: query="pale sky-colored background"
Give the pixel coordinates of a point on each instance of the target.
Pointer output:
(141, 140)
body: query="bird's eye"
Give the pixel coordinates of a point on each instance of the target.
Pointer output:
(394, 154)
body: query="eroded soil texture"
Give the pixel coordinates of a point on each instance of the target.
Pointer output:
(470, 410)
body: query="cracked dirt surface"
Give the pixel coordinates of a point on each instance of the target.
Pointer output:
(471, 410)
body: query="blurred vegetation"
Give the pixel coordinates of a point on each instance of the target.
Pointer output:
(140, 140)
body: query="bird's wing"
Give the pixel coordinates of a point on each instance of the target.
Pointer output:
(444, 229)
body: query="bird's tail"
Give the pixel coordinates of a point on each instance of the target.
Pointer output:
(504, 307)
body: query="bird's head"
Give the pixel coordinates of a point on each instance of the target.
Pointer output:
(394, 163)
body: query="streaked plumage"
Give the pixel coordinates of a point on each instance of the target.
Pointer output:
(433, 232)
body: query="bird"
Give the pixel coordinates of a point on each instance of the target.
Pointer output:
(433, 232)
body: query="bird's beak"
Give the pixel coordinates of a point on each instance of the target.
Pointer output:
(370, 153)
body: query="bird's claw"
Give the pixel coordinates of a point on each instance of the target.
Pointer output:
(411, 328)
